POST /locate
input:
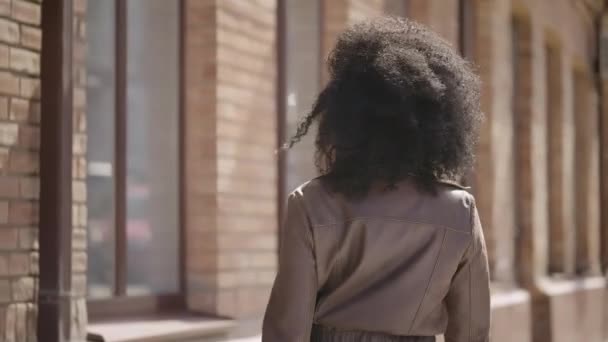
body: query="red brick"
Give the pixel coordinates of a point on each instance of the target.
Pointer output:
(81, 219)
(30, 88)
(79, 261)
(3, 107)
(79, 239)
(19, 263)
(9, 187)
(82, 30)
(29, 188)
(4, 212)
(79, 53)
(80, 7)
(79, 284)
(26, 12)
(35, 111)
(9, 31)
(5, 291)
(21, 319)
(4, 158)
(79, 144)
(230, 261)
(23, 162)
(5, 10)
(4, 56)
(19, 110)
(81, 122)
(80, 76)
(252, 300)
(34, 263)
(23, 212)
(80, 98)
(260, 241)
(79, 191)
(79, 168)
(4, 270)
(25, 61)
(9, 83)
(31, 37)
(28, 238)
(29, 137)
(9, 238)
(265, 277)
(23, 289)
(227, 303)
(266, 260)
(9, 133)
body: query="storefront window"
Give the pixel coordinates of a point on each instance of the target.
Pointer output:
(133, 116)
(101, 88)
(302, 79)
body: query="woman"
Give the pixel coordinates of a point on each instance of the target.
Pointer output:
(385, 246)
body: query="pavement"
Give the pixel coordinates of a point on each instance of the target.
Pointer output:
(248, 339)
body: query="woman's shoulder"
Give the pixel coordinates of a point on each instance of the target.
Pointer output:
(453, 184)
(310, 191)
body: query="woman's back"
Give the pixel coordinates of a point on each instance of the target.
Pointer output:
(398, 262)
(378, 248)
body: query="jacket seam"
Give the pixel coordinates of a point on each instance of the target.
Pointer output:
(470, 304)
(396, 219)
(472, 223)
(313, 291)
(428, 284)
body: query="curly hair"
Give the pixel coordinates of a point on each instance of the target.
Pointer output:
(400, 103)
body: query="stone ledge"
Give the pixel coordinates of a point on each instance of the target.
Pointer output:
(555, 287)
(508, 297)
(511, 314)
(576, 308)
(175, 328)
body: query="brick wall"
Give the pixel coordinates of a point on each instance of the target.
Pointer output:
(441, 16)
(20, 47)
(339, 14)
(231, 171)
(79, 172)
(20, 43)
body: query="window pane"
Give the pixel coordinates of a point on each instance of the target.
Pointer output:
(100, 149)
(152, 146)
(302, 68)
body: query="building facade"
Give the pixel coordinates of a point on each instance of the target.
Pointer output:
(141, 189)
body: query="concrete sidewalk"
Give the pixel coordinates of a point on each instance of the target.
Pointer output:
(248, 339)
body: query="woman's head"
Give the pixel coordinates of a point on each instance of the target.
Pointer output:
(400, 103)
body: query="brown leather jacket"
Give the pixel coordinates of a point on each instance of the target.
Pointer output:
(400, 262)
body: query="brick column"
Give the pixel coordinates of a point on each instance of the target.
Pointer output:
(484, 168)
(339, 14)
(79, 172)
(523, 131)
(440, 16)
(604, 175)
(604, 149)
(586, 176)
(20, 43)
(231, 167)
(334, 21)
(555, 150)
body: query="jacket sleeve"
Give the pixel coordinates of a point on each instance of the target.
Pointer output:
(289, 315)
(468, 300)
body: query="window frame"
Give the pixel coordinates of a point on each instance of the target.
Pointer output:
(282, 77)
(467, 42)
(120, 304)
(467, 29)
(554, 116)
